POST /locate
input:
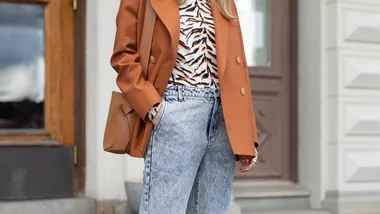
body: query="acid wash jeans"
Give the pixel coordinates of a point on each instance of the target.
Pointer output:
(189, 164)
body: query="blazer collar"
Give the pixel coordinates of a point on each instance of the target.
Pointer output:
(168, 12)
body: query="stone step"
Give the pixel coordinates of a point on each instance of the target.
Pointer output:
(51, 206)
(291, 212)
(254, 196)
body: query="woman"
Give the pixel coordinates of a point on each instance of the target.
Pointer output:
(195, 104)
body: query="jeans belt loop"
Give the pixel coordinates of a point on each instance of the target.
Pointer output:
(180, 97)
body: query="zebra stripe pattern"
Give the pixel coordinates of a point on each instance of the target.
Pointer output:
(196, 60)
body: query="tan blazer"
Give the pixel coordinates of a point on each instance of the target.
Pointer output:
(142, 95)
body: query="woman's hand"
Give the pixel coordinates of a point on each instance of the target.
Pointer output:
(155, 119)
(248, 164)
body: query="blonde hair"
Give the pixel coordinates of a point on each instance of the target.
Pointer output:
(225, 7)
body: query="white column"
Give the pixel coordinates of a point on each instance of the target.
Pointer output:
(105, 173)
(310, 94)
(339, 104)
(352, 122)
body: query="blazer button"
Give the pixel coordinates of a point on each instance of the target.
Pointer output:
(242, 91)
(152, 59)
(238, 59)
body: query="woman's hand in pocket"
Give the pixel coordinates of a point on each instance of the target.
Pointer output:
(155, 119)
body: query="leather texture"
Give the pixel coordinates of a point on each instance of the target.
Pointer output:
(144, 92)
(121, 120)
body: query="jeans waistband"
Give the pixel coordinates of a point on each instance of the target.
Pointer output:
(187, 91)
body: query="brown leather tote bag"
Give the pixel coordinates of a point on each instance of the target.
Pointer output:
(121, 117)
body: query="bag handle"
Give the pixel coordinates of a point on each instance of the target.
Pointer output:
(147, 35)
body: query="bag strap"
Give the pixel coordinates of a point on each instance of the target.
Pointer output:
(147, 35)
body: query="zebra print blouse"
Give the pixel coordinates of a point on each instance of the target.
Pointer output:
(196, 60)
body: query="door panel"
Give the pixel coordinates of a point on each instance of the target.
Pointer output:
(35, 172)
(37, 132)
(265, 26)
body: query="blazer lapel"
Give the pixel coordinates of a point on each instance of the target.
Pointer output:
(168, 12)
(221, 36)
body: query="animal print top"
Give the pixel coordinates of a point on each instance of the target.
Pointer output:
(196, 60)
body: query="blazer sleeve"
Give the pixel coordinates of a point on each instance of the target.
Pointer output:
(140, 93)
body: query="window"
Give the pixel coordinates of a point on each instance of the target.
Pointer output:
(36, 72)
(22, 70)
(256, 24)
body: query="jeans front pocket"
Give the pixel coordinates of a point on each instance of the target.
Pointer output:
(149, 158)
(161, 115)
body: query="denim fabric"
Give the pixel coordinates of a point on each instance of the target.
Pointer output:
(189, 164)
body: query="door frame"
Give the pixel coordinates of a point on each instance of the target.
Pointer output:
(77, 26)
(294, 90)
(80, 98)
